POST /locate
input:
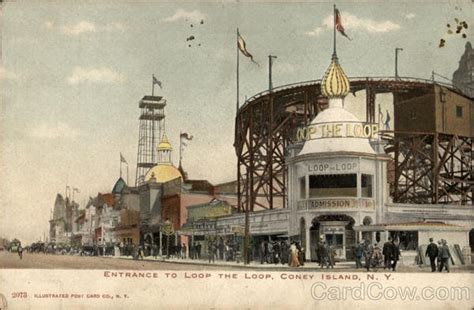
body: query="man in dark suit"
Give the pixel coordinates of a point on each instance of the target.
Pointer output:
(445, 256)
(432, 252)
(368, 251)
(395, 254)
(387, 253)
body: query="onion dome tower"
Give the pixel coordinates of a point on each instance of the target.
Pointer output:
(335, 84)
(164, 170)
(334, 127)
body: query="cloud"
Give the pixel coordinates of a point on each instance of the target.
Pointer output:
(84, 27)
(78, 28)
(54, 131)
(410, 15)
(49, 25)
(7, 75)
(352, 23)
(96, 75)
(315, 33)
(192, 16)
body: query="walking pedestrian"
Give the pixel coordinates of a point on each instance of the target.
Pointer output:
(438, 259)
(154, 249)
(368, 251)
(319, 252)
(445, 256)
(324, 254)
(198, 251)
(20, 252)
(270, 253)
(432, 252)
(284, 252)
(277, 251)
(377, 256)
(301, 257)
(331, 254)
(262, 252)
(210, 252)
(387, 251)
(358, 254)
(192, 250)
(183, 251)
(140, 252)
(395, 254)
(294, 256)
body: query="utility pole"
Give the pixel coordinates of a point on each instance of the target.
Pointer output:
(270, 63)
(397, 49)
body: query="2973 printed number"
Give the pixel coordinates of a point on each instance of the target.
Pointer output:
(19, 295)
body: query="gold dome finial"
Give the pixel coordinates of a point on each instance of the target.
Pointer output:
(164, 144)
(335, 83)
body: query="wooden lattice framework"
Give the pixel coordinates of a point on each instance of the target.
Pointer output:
(266, 125)
(431, 168)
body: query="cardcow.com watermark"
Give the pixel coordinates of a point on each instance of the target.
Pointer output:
(377, 291)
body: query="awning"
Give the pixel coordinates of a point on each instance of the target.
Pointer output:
(411, 226)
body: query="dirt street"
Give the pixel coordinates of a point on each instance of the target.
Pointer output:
(48, 261)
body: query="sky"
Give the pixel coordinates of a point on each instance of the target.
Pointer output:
(71, 75)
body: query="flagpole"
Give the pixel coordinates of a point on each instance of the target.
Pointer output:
(152, 85)
(334, 30)
(237, 49)
(120, 164)
(127, 173)
(180, 147)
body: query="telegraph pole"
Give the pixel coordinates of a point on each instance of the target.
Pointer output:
(270, 63)
(397, 49)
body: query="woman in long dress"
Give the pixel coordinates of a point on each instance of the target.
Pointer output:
(294, 256)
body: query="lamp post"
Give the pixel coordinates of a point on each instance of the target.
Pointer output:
(168, 230)
(397, 49)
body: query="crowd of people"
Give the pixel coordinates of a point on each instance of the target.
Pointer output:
(268, 251)
(376, 257)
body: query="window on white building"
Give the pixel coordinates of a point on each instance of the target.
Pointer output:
(408, 239)
(303, 188)
(333, 185)
(335, 240)
(367, 181)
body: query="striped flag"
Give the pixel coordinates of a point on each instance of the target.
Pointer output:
(122, 159)
(339, 26)
(243, 48)
(155, 81)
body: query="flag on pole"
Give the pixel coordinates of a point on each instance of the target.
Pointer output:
(186, 136)
(339, 26)
(122, 159)
(243, 48)
(76, 190)
(155, 81)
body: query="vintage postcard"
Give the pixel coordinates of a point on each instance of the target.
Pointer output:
(236, 154)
